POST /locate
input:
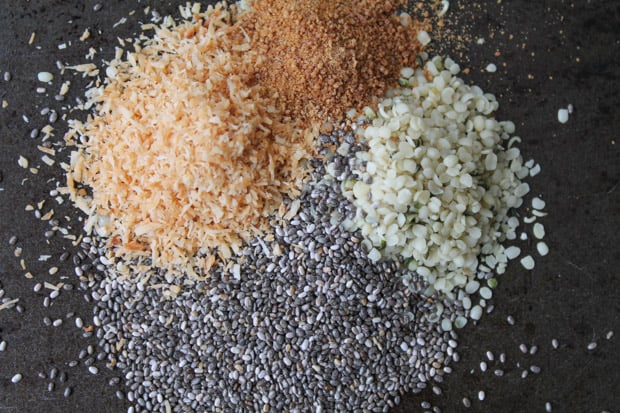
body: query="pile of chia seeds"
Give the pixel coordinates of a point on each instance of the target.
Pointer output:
(300, 320)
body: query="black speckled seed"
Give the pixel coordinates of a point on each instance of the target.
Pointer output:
(317, 305)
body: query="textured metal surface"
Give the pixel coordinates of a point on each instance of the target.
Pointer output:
(555, 53)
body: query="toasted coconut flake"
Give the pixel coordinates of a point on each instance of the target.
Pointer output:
(184, 154)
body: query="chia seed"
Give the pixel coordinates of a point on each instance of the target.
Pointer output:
(305, 299)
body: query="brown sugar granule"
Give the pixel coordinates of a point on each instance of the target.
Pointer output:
(321, 58)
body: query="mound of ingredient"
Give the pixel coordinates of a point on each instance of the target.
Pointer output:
(185, 150)
(322, 58)
(438, 179)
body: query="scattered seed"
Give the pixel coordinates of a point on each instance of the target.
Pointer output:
(67, 392)
(481, 395)
(533, 350)
(475, 313)
(51, 386)
(592, 345)
(535, 369)
(502, 358)
(539, 230)
(16, 378)
(45, 77)
(2, 345)
(542, 248)
(491, 68)
(510, 320)
(93, 370)
(512, 252)
(538, 203)
(548, 407)
(466, 402)
(523, 348)
(528, 262)
(555, 344)
(486, 293)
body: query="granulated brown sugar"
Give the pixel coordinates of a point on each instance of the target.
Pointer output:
(322, 58)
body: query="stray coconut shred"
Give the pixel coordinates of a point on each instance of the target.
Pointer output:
(184, 154)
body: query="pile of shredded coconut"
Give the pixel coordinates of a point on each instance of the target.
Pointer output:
(184, 154)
